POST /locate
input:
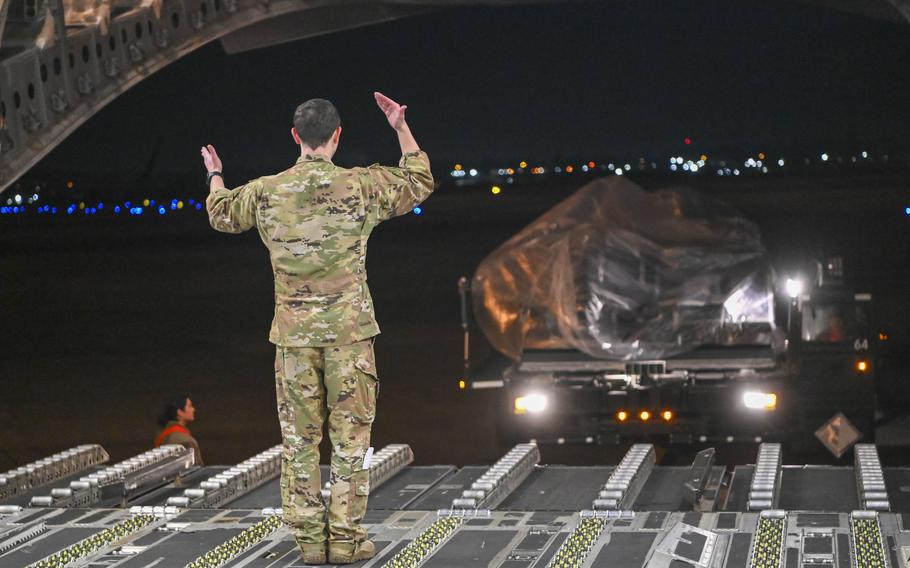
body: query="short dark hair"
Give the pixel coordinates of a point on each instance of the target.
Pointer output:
(171, 406)
(315, 121)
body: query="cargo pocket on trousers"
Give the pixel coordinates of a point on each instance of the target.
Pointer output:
(360, 485)
(367, 392)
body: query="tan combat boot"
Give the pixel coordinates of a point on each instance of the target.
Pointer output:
(312, 553)
(350, 552)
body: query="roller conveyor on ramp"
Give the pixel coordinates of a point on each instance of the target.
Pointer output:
(516, 513)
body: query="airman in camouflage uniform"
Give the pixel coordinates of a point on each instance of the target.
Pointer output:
(315, 219)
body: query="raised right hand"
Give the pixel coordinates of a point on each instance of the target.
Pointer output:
(393, 111)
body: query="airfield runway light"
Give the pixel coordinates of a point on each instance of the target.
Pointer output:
(622, 415)
(530, 403)
(145, 202)
(667, 415)
(569, 169)
(523, 164)
(907, 211)
(863, 366)
(794, 287)
(458, 167)
(495, 190)
(644, 415)
(462, 385)
(758, 400)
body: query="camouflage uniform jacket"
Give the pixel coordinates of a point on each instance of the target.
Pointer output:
(315, 219)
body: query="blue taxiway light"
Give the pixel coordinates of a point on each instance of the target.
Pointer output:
(418, 211)
(161, 210)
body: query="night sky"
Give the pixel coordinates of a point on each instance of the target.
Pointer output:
(493, 85)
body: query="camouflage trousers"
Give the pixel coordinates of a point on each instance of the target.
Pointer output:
(313, 383)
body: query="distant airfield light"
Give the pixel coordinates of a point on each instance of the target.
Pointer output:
(457, 167)
(824, 157)
(70, 184)
(510, 171)
(907, 211)
(495, 190)
(179, 205)
(17, 199)
(674, 167)
(523, 164)
(761, 155)
(198, 206)
(557, 169)
(145, 202)
(584, 168)
(569, 169)
(100, 205)
(618, 171)
(116, 209)
(736, 172)
(704, 158)
(418, 211)
(687, 141)
(473, 172)
(81, 205)
(161, 210)
(865, 154)
(627, 167)
(591, 164)
(780, 162)
(462, 385)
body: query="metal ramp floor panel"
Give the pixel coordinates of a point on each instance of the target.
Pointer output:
(45, 546)
(897, 480)
(407, 486)
(558, 488)
(818, 488)
(472, 549)
(738, 497)
(440, 496)
(663, 490)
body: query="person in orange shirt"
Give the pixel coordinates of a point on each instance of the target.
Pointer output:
(178, 413)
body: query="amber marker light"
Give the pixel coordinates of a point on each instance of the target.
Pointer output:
(863, 366)
(644, 415)
(667, 415)
(462, 385)
(622, 415)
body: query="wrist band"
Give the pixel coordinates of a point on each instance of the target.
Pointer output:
(208, 178)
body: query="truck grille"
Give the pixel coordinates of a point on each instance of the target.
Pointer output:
(646, 367)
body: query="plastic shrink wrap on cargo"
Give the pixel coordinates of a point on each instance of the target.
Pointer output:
(621, 273)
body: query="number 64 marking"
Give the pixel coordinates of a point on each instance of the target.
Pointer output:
(861, 344)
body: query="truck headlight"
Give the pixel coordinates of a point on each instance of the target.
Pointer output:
(793, 287)
(530, 403)
(760, 400)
